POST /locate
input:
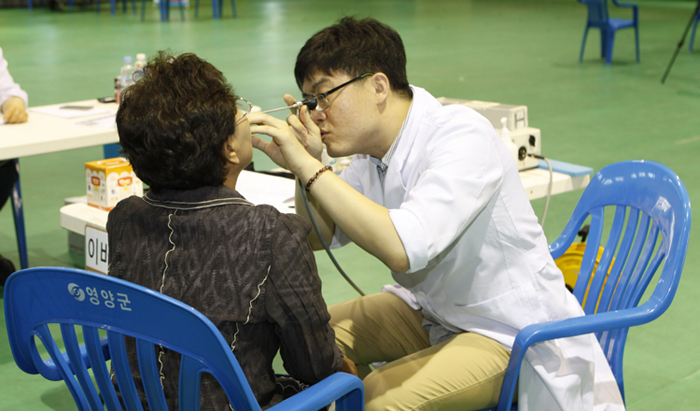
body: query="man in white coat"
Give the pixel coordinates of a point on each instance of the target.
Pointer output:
(435, 195)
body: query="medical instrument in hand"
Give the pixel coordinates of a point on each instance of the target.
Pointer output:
(310, 103)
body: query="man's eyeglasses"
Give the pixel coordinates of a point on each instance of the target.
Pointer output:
(243, 106)
(319, 102)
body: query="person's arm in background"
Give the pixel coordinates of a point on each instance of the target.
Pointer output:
(13, 100)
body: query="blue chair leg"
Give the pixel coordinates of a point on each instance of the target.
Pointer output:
(610, 40)
(692, 33)
(233, 6)
(636, 41)
(18, 215)
(29, 4)
(583, 44)
(182, 10)
(603, 43)
(143, 10)
(164, 10)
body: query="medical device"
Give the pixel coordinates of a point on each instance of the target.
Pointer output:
(525, 143)
(310, 103)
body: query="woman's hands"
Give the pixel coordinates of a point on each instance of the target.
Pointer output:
(295, 142)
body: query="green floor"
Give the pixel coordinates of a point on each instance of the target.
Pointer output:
(517, 52)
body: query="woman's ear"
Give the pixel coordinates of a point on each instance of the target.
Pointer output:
(230, 152)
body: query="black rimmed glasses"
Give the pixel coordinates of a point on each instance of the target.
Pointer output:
(322, 98)
(243, 106)
(318, 102)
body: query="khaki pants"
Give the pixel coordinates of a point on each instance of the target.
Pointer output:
(463, 373)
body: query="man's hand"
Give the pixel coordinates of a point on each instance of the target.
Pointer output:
(14, 111)
(294, 142)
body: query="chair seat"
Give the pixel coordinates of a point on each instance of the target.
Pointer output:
(620, 23)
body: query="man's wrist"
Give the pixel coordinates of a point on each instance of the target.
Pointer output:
(308, 170)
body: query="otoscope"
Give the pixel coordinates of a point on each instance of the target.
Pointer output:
(310, 103)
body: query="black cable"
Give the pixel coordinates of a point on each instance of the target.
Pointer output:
(320, 237)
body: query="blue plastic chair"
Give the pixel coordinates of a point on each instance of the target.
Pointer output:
(113, 6)
(692, 33)
(165, 10)
(18, 215)
(217, 8)
(650, 228)
(599, 18)
(79, 299)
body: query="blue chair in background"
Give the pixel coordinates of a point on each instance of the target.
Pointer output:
(650, 227)
(105, 310)
(599, 18)
(113, 6)
(165, 9)
(18, 215)
(692, 33)
(217, 8)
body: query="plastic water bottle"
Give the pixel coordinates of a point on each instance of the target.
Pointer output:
(127, 73)
(138, 66)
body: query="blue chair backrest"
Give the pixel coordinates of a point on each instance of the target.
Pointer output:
(37, 297)
(597, 12)
(650, 211)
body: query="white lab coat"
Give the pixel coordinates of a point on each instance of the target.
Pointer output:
(479, 259)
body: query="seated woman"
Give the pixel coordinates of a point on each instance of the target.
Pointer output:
(248, 268)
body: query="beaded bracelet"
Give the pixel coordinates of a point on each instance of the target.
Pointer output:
(318, 173)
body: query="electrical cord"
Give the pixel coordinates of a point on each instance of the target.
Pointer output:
(323, 241)
(549, 186)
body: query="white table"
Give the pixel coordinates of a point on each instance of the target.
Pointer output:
(279, 192)
(44, 133)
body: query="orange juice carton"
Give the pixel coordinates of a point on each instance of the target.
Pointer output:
(110, 181)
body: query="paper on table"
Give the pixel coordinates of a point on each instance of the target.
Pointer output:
(108, 121)
(66, 112)
(265, 189)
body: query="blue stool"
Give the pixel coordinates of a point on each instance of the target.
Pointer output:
(112, 150)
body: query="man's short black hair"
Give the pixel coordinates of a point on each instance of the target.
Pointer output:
(355, 47)
(174, 123)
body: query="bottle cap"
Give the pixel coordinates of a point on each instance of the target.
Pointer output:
(141, 56)
(127, 59)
